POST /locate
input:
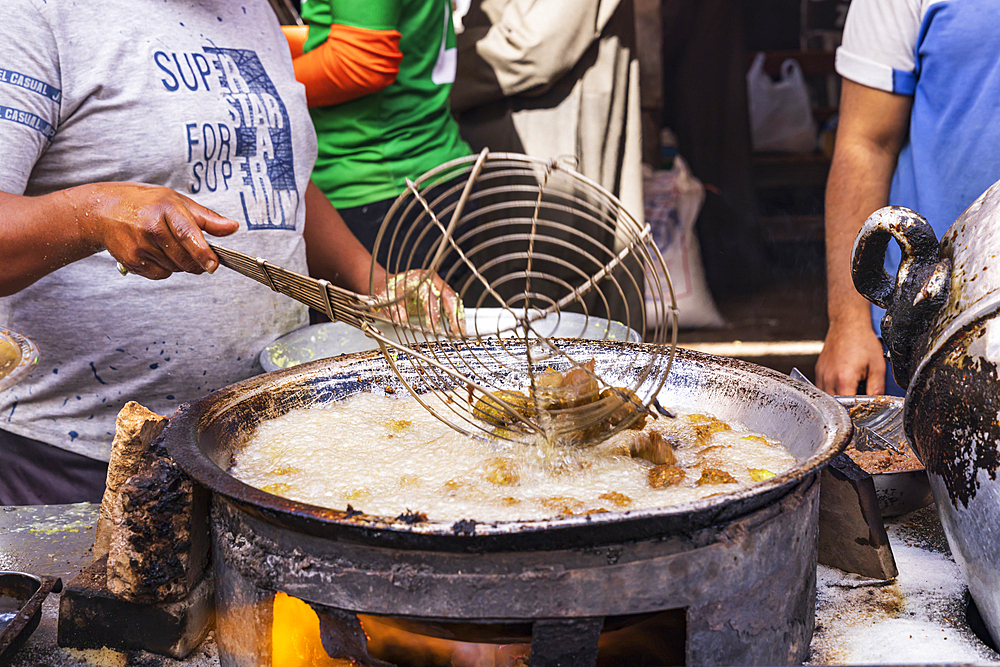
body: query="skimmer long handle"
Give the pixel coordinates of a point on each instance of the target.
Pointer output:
(338, 303)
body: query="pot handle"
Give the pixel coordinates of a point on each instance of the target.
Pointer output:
(912, 301)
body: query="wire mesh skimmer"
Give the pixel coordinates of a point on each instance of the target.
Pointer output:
(534, 239)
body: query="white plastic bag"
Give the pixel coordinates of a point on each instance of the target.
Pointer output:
(781, 117)
(673, 199)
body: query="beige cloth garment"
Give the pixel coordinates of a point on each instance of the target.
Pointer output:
(551, 78)
(557, 79)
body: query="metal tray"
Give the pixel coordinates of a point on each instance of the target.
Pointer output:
(18, 357)
(21, 597)
(898, 492)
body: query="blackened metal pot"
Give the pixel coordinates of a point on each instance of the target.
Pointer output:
(943, 336)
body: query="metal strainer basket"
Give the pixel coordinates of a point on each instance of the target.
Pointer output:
(536, 240)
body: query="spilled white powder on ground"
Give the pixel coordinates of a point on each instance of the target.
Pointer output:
(919, 618)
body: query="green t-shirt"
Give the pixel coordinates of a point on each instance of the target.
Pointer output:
(370, 145)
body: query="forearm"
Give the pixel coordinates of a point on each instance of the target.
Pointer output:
(851, 360)
(41, 234)
(872, 132)
(153, 231)
(873, 126)
(333, 252)
(858, 186)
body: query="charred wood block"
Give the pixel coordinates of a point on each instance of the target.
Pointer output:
(91, 617)
(159, 546)
(136, 427)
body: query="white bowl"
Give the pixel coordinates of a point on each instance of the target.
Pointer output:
(330, 339)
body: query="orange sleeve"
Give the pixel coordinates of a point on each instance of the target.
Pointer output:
(351, 63)
(296, 36)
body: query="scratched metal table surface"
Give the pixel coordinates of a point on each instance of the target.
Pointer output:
(58, 540)
(918, 618)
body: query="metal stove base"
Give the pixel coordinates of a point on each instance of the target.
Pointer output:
(747, 586)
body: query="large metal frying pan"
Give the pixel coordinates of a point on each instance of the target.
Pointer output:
(203, 436)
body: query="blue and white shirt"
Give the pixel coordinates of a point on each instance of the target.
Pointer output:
(946, 54)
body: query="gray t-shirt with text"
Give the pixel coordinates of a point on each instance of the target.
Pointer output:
(196, 96)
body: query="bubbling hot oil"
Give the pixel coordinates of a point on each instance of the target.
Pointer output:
(388, 456)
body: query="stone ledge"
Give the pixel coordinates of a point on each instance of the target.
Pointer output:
(91, 617)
